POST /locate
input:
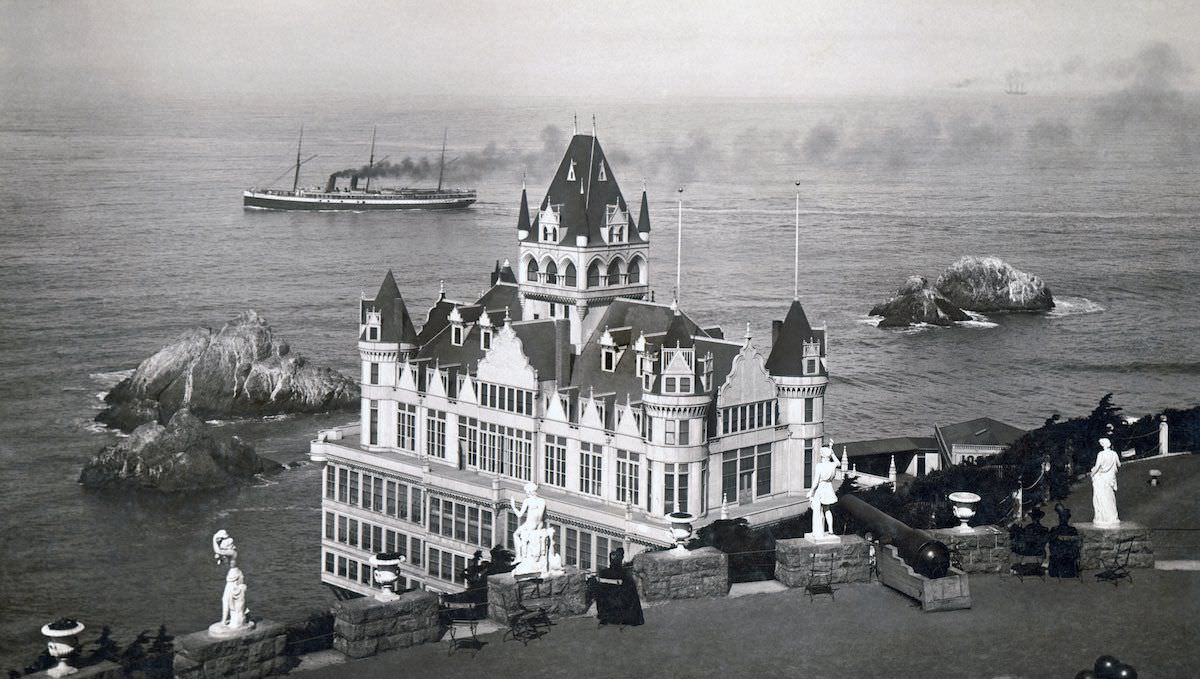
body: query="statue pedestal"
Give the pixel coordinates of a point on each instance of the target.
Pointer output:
(847, 555)
(1102, 544)
(249, 653)
(560, 595)
(826, 539)
(690, 574)
(220, 630)
(366, 626)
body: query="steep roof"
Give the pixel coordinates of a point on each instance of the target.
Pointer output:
(787, 350)
(395, 324)
(581, 190)
(523, 217)
(679, 332)
(888, 446)
(981, 431)
(643, 224)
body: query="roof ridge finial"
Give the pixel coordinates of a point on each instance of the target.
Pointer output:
(747, 335)
(507, 318)
(442, 288)
(574, 124)
(524, 176)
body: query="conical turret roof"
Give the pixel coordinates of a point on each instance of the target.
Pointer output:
(582, 189)
(523, 217)
(396, 325)
(643, 224)
(679, 333)
(787, 354)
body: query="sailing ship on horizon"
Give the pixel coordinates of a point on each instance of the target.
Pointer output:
(1015, 83)
(352, 198)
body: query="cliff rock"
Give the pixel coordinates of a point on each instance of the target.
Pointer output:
(990, 284)
(916, 302)
(242, 370)
(183, 455)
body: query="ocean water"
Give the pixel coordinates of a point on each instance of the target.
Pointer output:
(121, 226)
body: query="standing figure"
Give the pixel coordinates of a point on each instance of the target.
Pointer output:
(1163, 449)
(822, 496)
(1104, 486)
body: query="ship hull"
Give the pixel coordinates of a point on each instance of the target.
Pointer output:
(266, 201)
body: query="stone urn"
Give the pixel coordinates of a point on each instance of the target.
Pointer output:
(964, 508)
(63, 635)
(681, 528)
(385, 568)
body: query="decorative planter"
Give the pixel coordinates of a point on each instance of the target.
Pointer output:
(964, 508)
(681, 528)
(385, 568)
(63, 635)
(1155, 477)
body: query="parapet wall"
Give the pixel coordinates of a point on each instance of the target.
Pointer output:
(981, 549)
(672, 574)
(1102, 547)
(560, 596)
(255, 653)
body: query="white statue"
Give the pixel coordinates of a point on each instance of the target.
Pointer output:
(822, 495)
(555, 563)
(224, 550)
(532, 535)
(233, 600)
(1162, 435)
(1104, 486)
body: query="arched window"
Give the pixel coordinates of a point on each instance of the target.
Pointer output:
(635, 272)
(551, 272)
(593, 274)
(614, 272)
(569, 275)
(531, 271)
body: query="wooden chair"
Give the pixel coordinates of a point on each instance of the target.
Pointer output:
(1118, 570)
(820, 576)
(462, 620)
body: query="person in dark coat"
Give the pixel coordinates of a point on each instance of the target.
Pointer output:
(617, 601)
(1064, 546)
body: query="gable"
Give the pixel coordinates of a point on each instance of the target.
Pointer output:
(748, 380)
(505, 363)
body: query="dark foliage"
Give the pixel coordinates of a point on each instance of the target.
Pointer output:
(313, 633)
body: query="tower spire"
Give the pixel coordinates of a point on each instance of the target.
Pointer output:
(796, 270)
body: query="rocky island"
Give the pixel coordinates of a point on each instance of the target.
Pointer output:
(242, 370)
(980, 284)
(184, 455)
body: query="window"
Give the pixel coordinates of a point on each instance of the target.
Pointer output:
(628, 477)
(555, 464)
(614, 272)
(406, 426)
(373, 431)
(373, 334)
(343, 485)
(669, 385)
(485, 338)
(329, 559)
(675, 488)
(551, 273)
(531, 269)
(808, 409)
(810, 366)
(593, 274)
(353, 499)
(468, 441)
(635, 272)
(456, 335)
(591, 461)
(569, 275)
(808, 462)
(352, 533)
(435, 433)
(920, 464)
(374, 374)
(677, 432)
(331, 482)
(329, 521)
(746, 473)
(501, 450)
(747, 416)
(390, 494)
(609, 361)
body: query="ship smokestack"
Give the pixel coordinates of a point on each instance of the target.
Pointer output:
(354, 183)
(332, 183)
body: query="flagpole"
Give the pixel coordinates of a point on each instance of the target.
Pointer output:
(679, 249)
(796, 271)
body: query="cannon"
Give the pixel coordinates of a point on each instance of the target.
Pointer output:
(918, 549)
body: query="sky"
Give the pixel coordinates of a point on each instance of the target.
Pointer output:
(617, 48)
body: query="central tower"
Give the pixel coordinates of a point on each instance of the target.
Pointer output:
(582, 248)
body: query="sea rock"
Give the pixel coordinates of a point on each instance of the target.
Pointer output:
(183, 455)
(990, 284)
(916, 302)
(242, 370)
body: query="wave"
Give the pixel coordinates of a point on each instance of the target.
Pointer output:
(1073, 306)
(978, 320)
(111, 378)
(224, 513)
(872, 321)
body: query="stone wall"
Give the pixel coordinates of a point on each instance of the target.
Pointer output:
(947, 593)
(560, 596)
(1101, 546)
(366, 626)
(849, 558)
(256, 653)
(692, 574)
(983, 549)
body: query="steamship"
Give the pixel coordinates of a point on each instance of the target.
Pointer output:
(354, 198)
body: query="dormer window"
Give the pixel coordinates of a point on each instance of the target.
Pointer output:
(374, 320)
(608, 360)
(811, 366)
(456, 335)
(485, 338)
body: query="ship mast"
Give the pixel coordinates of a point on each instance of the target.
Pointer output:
(442, 163)
(371, 162)
(296, 181)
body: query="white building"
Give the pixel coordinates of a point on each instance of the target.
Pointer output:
(622, 409)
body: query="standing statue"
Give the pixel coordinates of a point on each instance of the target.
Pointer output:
(532, 535)
(233, 600)
(1163, 449)
(822, 495)
(1104, 486)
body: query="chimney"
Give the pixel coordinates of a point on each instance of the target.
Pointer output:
(354, 183)
(331, 185)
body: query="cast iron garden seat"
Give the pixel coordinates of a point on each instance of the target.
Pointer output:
(1118, 570)
(820, 576)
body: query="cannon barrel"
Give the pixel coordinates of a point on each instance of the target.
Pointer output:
(919, 549)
